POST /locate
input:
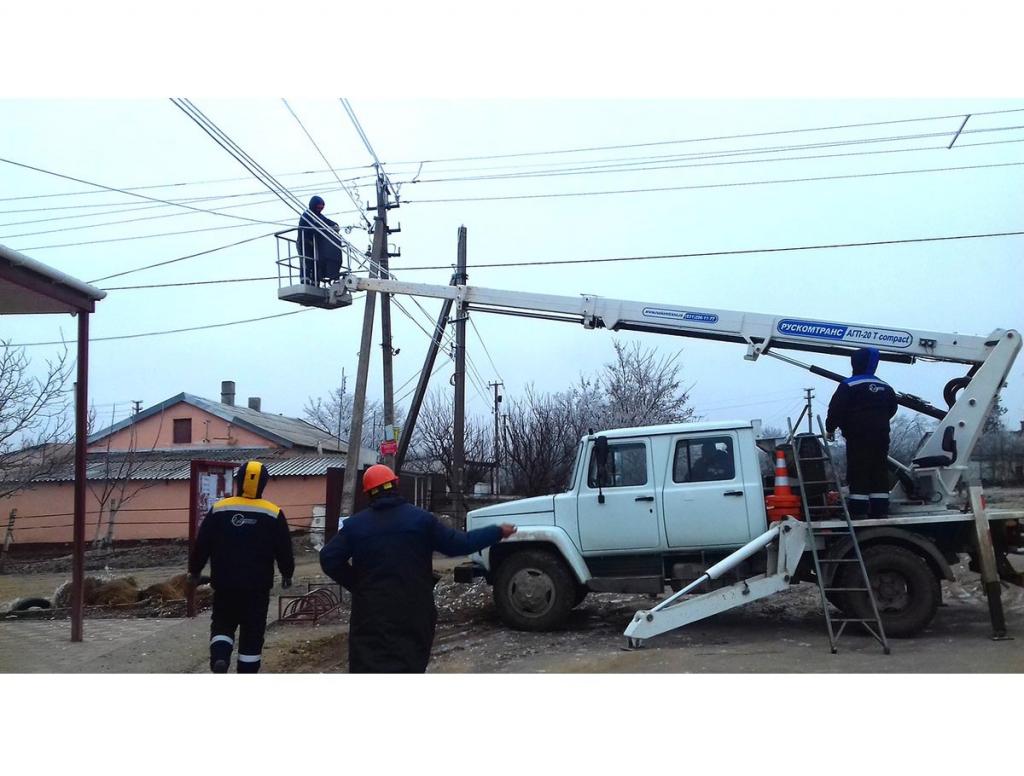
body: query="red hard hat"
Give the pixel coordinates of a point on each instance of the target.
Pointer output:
(378, 475)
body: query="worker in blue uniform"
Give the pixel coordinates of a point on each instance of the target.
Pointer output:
(321, 253)
(861, 408)
(242, 537)
(383, 555)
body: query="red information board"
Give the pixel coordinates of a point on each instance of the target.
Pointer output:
(209, 481)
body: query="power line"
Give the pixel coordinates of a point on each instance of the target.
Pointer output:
(126, 191)
(648, 166)
(171, 331)
(172, 185)
(148, 236)
(187, 283)
(135, 207)
(552, 262)
(738, 252)
(711, 138)
(484, 346)
(119, 222)
(693, 187)
(352, 197)
(181, 258)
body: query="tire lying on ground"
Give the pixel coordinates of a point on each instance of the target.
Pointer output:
(30, 603)
(534, 590)
(907, 592)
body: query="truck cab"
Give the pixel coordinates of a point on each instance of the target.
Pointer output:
(643, 507)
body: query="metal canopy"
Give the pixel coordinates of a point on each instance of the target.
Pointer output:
(28, 287)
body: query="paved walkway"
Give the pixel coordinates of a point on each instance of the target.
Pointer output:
(110, 646)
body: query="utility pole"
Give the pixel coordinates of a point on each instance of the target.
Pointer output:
(495, 478)
(809, 394)
(421, 385)
(355, 435)
(136, 406)
(459, 441)
(383, 205)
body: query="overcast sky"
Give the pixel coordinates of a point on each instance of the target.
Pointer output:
(970, 286)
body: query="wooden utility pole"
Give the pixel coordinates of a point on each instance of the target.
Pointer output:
(355, 434)
(459, 441)
(421, 386)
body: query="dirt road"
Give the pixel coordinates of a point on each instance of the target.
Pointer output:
(782, 634)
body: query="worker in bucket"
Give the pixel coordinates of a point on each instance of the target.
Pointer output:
(321, 254)
(861, 408)
(242, 537)
(383, 555)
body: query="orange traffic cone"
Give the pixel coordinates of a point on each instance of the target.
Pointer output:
(783, 502)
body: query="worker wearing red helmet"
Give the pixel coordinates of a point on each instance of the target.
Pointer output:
(384, 556)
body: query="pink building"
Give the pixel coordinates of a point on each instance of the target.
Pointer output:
(138, 470)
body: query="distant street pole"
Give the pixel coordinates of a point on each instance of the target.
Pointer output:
(809, 394)
(495, 478)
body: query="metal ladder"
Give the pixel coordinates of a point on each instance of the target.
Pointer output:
(824, 510)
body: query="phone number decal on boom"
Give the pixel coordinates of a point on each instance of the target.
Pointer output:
(839, 332)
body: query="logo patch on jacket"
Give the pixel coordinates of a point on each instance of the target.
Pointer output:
(239, 520)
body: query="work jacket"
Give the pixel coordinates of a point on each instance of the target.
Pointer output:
(242, 538)
(863, 404)
(383, 555)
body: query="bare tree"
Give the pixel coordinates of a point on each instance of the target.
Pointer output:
(36, 422)
(434, 438)
(114, 482)
(542, 431)
(906, 433)
(333, 414)
(641, 388)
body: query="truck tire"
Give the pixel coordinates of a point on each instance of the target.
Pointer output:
(533, 590)
(907, 592)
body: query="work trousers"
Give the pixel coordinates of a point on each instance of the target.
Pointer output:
(867, 473)
(246, 612)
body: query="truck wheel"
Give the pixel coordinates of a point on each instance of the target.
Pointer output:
(533, 590)
(907, 592)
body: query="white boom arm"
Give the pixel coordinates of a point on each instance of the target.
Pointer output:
(989, 358)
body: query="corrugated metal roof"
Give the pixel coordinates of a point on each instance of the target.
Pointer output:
(175, 465)
(290, 432)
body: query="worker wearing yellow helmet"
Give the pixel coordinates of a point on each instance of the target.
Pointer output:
(384, 556)
(242, 537)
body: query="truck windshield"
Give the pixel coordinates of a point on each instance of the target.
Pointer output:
(570, 480)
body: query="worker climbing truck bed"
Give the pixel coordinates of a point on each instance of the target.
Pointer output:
(644, 509)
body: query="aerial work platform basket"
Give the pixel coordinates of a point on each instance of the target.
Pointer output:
(310, 281)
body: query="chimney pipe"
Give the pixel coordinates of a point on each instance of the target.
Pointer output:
(227, 392)
(254, 403)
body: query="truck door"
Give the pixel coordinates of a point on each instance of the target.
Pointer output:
(705, 496)
(628, 518)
